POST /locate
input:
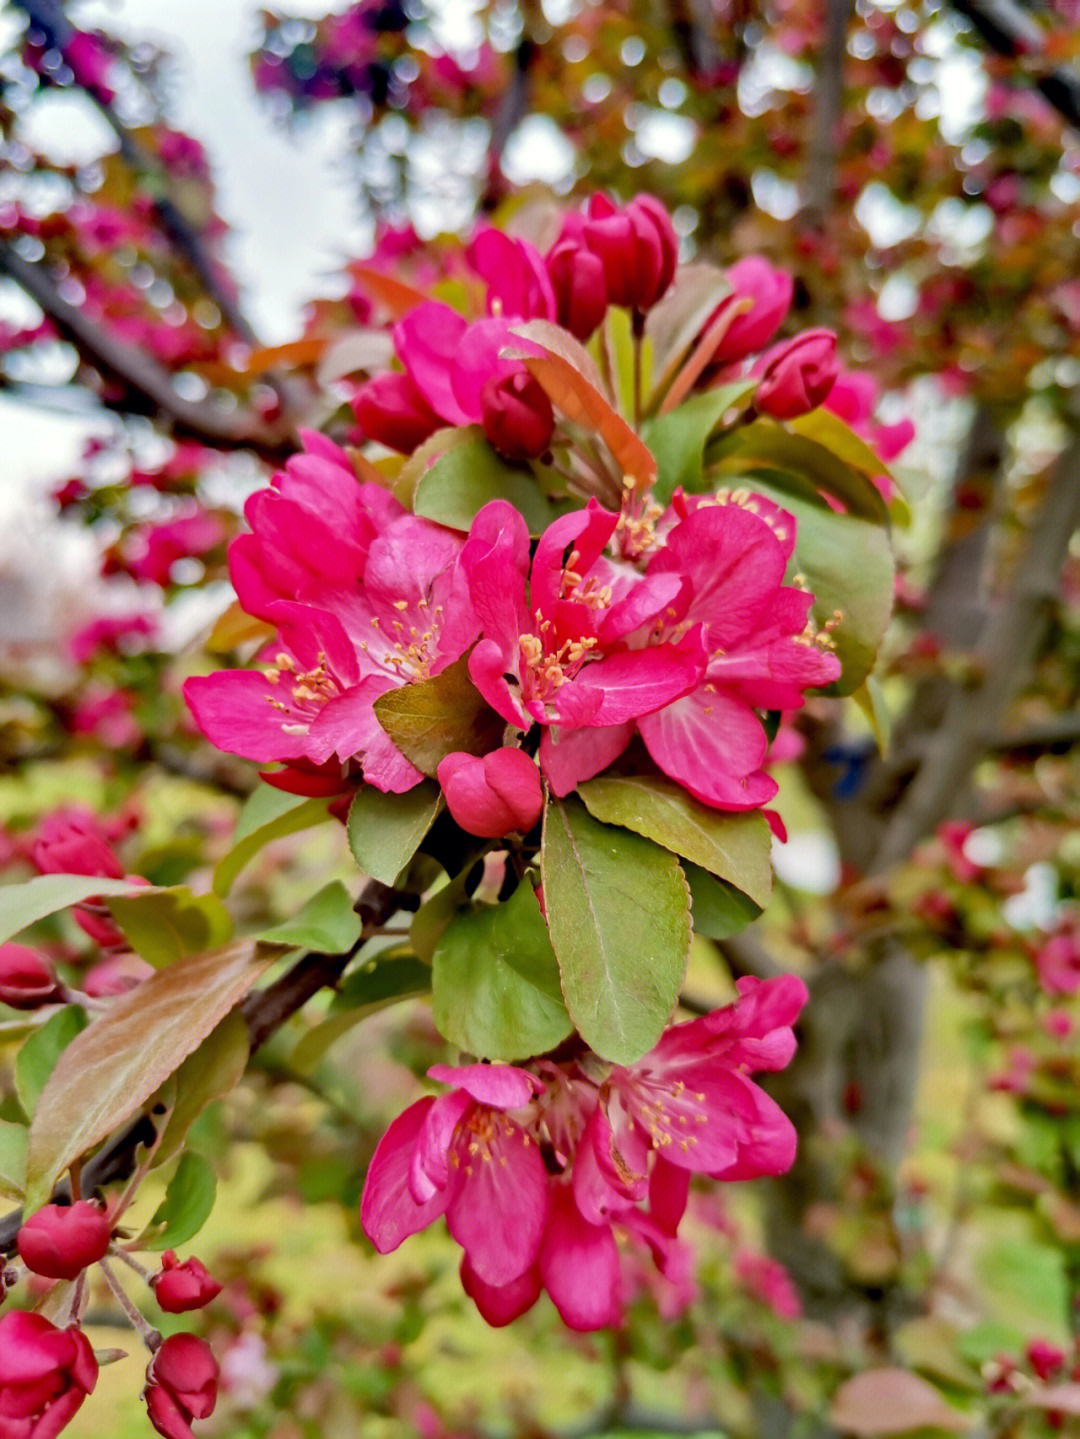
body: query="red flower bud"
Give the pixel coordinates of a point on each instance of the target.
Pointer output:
(517, 415)
(60, 1240)
(74, 844)
(797, 376)
(181, 1385)
(26, 981)
(1046, 1359)
(45, 1374)
(391, 410)
(769, 290)
(577, 277)
(637, 246)
(181, 1287)
(492, 794)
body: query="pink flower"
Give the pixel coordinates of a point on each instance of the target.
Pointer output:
(45, 1374)
(689, 1103)
(26, 981)
(108, 632)
(391, 410)
(769, 1282)
(517, 415)
(462, 1155)
(725, 558)
(637, 246)
(492, 795)
(769, 292)
(158, 547)
(519, 286)
(60, 1240)
(796, 376)
(379, 604)
(553, 650)
(577, 277)
(313, 527)
(450, 360)
(179, 1288)
(1058, 962)
(73, 841)
(181, 1385)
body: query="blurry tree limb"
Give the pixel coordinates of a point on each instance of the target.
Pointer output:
(1010, 30)
(146, 380)
(819, 181)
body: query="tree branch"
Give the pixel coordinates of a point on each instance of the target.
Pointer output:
(819, 181)
(141, 375)
(1007, 651)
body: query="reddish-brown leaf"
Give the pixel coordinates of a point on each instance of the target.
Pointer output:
(395, 295)
(892, 1401)
(110, 1069)
(580, 399)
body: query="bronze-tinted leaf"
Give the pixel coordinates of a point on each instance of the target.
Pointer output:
(430, 720)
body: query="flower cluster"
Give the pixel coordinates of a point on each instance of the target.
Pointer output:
(537, 1170)
(46, 1371)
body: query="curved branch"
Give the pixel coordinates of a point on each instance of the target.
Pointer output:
(141, 375)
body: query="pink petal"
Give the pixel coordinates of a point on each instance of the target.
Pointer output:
(234, 710)
(579, 1264)
(601, 1193)
(388, 1212)
(502, 1086)
(570, 756)
(429, 1171)
(500, 1207)
(669, 1189)
(637, 682)
(427, 341)
(713, 746)
(501, 1304)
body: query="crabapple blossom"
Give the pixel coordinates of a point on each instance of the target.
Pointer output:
(797, 375)
(179, 1288)
(26, 981)
(45, 1374)
(766, 293)
(59, 1241)
(181, 1385)
(491, 795)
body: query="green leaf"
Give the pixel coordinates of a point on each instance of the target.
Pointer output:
(870, 697)
(862, 592)
(462, 481)
(386, 829)
(431, 919)
(619, 914)
(165, 924)
(188, 1203)
(769, 444)
(825, 428)
(375, 986)
(678, 439)
(40, 1054)
(327, 923)
(429, 720)
(269, 814)
(495, 981)
(112, 1068)
(719, 909)
(214, 1070)
(13, 1139)
(735, 847)
(24, 904)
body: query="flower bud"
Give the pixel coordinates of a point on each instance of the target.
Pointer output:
(182, 1287)
(577, 277)
(637, 246)
(796, 376)
(74, 843)
(181, 1385)
(391, 410)
(60, 1240)
(26, 981)
(492, 794)
(517, 415)
(45, 1374)
(769, 290)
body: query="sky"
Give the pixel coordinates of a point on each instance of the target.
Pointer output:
(286, 193)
